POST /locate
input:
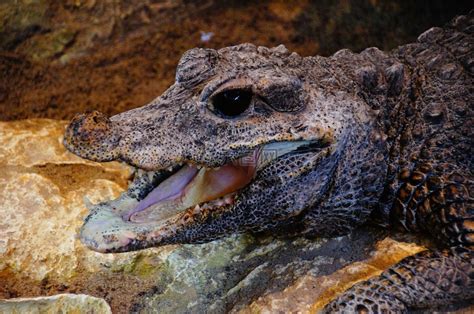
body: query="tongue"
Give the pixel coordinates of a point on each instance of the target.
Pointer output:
(171, 188)
(214, 183)
(191, 186)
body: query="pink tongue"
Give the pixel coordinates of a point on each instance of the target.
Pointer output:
(191, 186)
(213, 184)
(168, 189)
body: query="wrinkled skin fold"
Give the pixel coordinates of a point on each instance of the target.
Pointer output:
(252, 139)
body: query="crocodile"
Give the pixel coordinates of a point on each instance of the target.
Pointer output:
(252, 139)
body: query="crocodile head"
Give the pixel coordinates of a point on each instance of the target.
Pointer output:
(248, 138)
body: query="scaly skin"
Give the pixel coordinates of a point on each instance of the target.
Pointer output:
(393, 134)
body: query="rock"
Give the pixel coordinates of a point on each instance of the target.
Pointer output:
(42, 191)
(311, 293)
(61, 303)
(43, 187)
(49, 45)
(20, 19)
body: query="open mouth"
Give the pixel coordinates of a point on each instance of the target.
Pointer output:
(158, 203)
(192, 185)
(198, 187)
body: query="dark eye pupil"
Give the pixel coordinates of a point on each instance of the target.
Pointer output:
(232, 102)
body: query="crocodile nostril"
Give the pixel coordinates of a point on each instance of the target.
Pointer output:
(96, 120)
(92, 135)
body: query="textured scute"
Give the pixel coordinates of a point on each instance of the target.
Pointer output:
(432, 157)
(424, 280)
(196, 66)
(360, 173)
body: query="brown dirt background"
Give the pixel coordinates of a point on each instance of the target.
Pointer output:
(58, 58)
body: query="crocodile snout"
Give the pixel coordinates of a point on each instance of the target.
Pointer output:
(92, 136)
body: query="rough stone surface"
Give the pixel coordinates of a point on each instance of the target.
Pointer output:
(61, 303)
(311, 292)
(41, 197)
(42, 201)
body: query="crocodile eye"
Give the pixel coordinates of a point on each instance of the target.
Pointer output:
(231, 103)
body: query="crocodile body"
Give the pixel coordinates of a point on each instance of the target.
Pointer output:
(378, 136)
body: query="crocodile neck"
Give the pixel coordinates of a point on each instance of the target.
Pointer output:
(429, 128)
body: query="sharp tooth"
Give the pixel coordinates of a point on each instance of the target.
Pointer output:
(199, 166)
(88, 203)
(150, 175)
(217, 168)
(197, 209)
(229, 200)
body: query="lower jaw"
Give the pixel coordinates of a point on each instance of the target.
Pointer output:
(105, 230)
(108, 228)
